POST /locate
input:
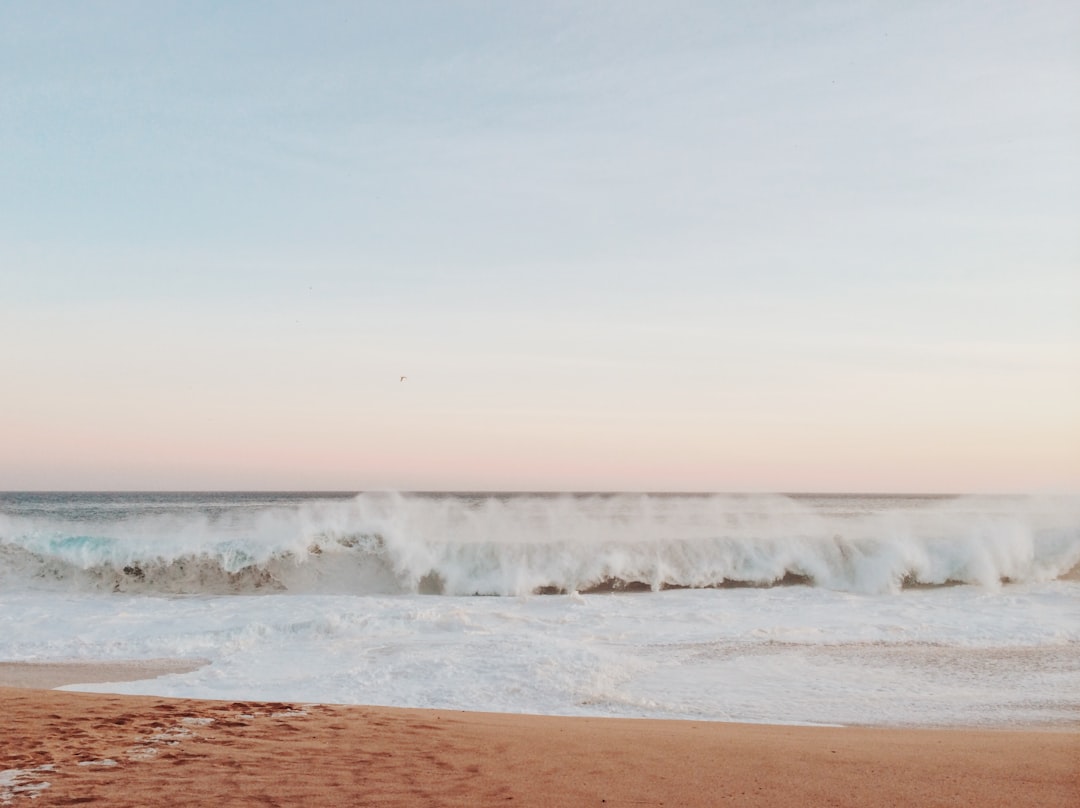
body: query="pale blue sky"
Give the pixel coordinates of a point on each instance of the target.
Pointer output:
(613, 245)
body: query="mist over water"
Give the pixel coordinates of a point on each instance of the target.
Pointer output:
(804, 609)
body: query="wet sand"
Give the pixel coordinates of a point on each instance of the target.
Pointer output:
(63, 748)
(58, 674)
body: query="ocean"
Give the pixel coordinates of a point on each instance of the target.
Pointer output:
(803, 609)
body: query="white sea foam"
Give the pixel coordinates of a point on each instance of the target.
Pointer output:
(340, 617)
(393, 543)
(960, 655)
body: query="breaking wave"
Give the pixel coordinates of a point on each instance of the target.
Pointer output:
(382, 543)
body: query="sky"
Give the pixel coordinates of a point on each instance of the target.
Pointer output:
(697, 246)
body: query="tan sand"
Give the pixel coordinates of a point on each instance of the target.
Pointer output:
(139, 751)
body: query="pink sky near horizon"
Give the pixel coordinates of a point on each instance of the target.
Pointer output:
(441, 451)
(147, 399)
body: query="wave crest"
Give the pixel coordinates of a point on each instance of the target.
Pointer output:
(522, 544)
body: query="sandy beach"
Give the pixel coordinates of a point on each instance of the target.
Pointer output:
(63, 748)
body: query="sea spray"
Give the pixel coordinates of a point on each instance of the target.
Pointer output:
(516, 544)
(311, 597)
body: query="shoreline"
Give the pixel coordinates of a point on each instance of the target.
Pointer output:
(50, 675)
(54, 675)
(64, 746)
